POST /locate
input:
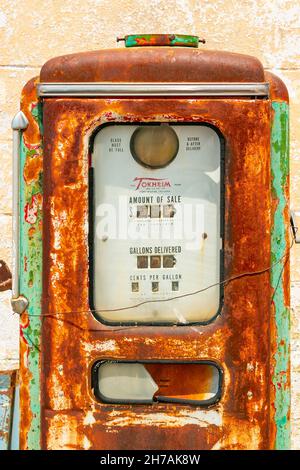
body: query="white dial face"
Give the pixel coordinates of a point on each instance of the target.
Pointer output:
(157, 230)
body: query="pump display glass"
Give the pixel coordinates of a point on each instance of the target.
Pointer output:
(156, 223)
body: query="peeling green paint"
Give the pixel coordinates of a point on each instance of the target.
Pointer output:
(280, 172)
(183, 40)
(31, 273)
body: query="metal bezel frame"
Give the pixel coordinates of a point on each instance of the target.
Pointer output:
(160, 400)
(91, 232)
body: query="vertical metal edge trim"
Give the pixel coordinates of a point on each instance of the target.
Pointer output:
(279, 247)
(31, 277)
(19, 123)
(16, 214)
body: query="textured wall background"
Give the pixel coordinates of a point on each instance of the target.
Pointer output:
(32, 31)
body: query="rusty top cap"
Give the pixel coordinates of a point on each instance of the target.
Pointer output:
(152, 64)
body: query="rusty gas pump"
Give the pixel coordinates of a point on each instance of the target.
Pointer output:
(152, 239)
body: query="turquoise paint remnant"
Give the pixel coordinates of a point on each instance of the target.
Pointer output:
(141, 40)
(31, 273)
(280, 172)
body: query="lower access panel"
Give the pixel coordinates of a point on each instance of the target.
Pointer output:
(131, 382)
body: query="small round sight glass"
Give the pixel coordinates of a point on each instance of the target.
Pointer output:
(154, 146)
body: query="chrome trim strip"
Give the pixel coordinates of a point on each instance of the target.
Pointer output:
(18, 124)
(152, 89)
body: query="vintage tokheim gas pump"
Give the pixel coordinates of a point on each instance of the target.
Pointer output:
(151, 243)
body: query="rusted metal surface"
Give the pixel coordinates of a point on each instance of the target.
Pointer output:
(152, 64)
(72, 340)
(278, 89)
(5, 276)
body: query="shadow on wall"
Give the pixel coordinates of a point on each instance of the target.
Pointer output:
(5, 276)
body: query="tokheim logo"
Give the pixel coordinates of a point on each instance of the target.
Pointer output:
(151, 183)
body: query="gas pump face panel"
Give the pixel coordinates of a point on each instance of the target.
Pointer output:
(156, 223)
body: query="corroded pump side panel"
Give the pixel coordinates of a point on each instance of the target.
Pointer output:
(31, 217)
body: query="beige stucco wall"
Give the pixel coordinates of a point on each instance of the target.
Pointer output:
(32, 31)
